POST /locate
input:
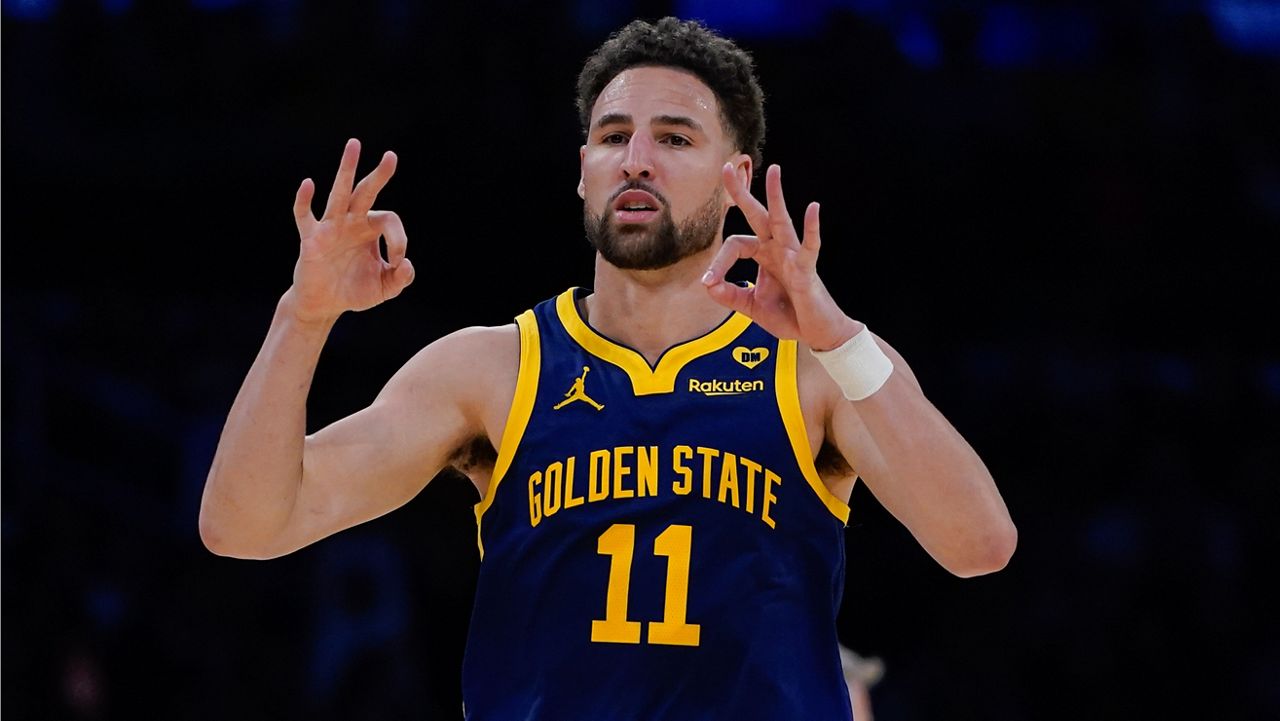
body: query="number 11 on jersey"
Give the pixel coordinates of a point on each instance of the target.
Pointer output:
(676, 543)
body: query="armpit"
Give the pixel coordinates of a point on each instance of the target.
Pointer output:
(477, 454)
(836, 473)
(831, 463)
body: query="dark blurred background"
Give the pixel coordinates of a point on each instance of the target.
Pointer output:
(1064, 214)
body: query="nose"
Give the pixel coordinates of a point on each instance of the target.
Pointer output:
(638, 162)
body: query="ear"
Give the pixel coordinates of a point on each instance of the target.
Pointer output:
(741, 168)
(582, 183)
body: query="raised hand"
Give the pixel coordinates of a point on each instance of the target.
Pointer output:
(788, 298)
(340, 266)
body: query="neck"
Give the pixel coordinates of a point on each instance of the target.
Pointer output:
(652, 310)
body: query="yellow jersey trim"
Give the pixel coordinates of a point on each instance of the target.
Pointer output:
(645, 380)
(788, 390)
(518, 416)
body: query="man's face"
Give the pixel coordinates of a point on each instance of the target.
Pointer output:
(651, 181)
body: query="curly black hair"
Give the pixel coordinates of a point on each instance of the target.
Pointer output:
(688, 45)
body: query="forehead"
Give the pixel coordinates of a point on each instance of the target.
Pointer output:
(648, 91)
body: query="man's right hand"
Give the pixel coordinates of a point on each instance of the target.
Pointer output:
(340, 266)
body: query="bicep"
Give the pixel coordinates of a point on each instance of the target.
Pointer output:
(379, 458)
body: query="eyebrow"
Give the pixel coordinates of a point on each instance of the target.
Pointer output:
(613, 119)
(625, 119)
(681, 120)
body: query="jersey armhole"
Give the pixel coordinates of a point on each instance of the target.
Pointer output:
(518, 416)
(787, 387)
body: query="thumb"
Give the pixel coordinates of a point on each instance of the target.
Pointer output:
(730, 295)
(395, 280)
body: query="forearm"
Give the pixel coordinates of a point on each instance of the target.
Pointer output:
(257, 470)
(911, 458)
(914, 461)
(934, 482)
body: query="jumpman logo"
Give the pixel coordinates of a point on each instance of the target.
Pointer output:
(576, 392)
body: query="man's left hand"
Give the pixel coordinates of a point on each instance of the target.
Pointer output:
(788, 298)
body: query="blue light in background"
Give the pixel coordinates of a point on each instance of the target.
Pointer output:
(1270, 380)
(1011, 36)
(1175, 374)
(989, 366)
(1008, 38)
(883, 9)
(594, 17)
(757, 18)
(1115, 535)
(918, 42)
(1078, 379)
(1251, 26)
(107, 606)
(216, 5)
(30, 9)
(372, 567)
(281, 19)
(1068, 36)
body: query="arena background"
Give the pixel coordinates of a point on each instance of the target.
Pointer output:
(1064, 214)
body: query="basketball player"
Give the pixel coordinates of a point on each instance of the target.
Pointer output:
(663, 505)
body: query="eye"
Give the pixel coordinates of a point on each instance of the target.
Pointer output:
(614, 139)
(678, 141)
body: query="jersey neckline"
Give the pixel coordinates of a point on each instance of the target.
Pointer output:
(645, 379)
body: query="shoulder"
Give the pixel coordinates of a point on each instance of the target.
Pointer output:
(474, 355)
(463, 381)
(479, 340)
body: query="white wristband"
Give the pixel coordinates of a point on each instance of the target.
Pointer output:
(859, 367)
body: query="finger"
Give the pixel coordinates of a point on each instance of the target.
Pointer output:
(732, 296)
(734, 248)
(367, 191)
(728, 294)
(812, 239)
(340, 195)
(391, 228)
(756, 214)
(302, 214)
(780, 224)
(395, 280)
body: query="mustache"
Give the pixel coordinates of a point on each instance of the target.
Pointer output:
(638, 185)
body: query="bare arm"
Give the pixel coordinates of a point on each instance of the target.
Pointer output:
(253, 482)
(271, 489)
(910, 456)
(922, 470)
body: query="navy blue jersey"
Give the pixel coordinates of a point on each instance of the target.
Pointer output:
(656, 542)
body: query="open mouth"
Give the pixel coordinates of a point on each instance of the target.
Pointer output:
(635, 206)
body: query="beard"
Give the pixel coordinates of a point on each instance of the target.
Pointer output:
(657, 244)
